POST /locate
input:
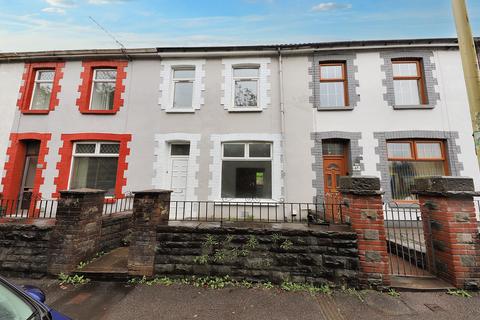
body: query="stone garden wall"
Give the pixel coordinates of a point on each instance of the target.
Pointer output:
(24, 249)
(115, 231)
(315, 255)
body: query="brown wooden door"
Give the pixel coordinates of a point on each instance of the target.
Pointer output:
(333, 169)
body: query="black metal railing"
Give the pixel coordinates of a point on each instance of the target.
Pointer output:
(36, 208)
(118, 205)
(405, 240)
(257, 211)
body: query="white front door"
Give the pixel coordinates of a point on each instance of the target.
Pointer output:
(178, 178)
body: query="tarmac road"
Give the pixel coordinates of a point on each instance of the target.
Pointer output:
(119, 301)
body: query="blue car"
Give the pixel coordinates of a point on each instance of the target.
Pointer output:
(25, 303)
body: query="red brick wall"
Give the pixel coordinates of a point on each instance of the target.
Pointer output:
(452, 239)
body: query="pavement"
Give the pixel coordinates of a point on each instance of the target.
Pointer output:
(119, 301)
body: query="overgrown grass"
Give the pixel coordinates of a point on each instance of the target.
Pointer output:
(459, 293)
(226, 281)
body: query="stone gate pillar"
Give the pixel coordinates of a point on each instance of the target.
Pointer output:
(363, 207)
(150, 208)
(451, 229)
(78, 226)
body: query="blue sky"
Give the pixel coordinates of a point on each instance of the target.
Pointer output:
(30, 25)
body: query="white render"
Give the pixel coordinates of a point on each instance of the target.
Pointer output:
(9, 93)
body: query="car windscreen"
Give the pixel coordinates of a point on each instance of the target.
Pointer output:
(12, 306)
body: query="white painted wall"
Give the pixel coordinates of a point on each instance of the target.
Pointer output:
(10, 82)
(374, 115)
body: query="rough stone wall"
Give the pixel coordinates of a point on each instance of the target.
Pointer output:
(24, 249)
(315, 255)
(115, 230)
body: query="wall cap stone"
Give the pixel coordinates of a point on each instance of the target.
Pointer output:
(152, 192)
(445, 186)
(82, 191)
(360, 185)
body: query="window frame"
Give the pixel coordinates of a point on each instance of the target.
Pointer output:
(86, 86)
(344, 80)
(250, 78)
(174, 81)
(246, 158)
(415, 158)
(420, 77)
(34, 88)
(24, 102)
(92, 86)
(247, 151)
(96, 154)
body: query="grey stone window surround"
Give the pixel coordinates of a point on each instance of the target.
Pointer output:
(352, 83)
(355, 152)
(430, 81)
(452, 150)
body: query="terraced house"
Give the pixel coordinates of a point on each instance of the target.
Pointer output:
(251, 124)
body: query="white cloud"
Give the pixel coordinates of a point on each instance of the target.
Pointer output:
(54, 10)
(61, 3)
(329, 6)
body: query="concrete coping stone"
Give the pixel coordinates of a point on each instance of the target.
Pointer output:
(360, 185)
(445, 186)
(83, 191)
(152, 192)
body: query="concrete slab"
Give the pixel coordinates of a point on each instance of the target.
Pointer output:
(419, 284)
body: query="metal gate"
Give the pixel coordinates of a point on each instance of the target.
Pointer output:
(405, 241)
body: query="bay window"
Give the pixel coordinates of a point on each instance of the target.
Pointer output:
(247, 170)
(410, 159)
(94, 165)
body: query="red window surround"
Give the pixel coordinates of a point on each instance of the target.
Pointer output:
(26, 89)
(85, 87)
(16, 161)
(63, 166)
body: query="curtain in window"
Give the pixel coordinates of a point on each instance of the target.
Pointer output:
(95, 172)
(403, 174)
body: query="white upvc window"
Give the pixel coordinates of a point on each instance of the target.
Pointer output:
(103, 89)
(42, 89)
(183, 79)
(246, 170)
(182, 85)
(94, 165)
(245, 86)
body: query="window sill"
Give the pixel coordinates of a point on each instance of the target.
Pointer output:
(35, 111)
(108, 112)
(180, 111)
(414, 107)
(403, 204)
(335, 108)
(245, 110)
(248, 202)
